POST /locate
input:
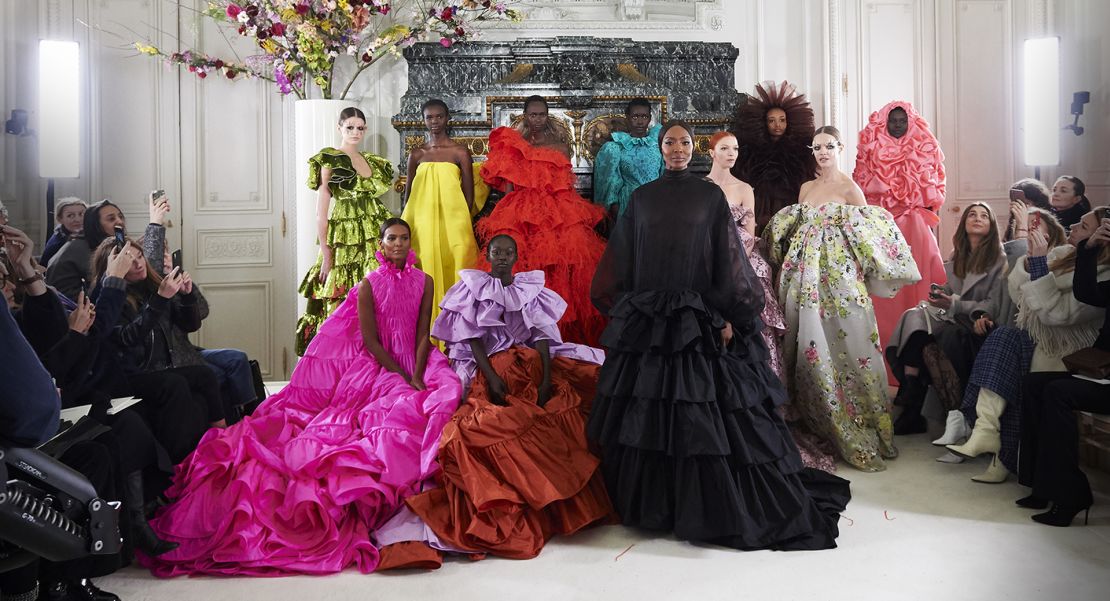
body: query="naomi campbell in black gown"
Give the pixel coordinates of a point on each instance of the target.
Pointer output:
(685, 410)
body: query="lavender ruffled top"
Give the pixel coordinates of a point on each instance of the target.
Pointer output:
(522, 313)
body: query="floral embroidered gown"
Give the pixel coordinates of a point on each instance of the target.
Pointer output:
(815, 452)
(300, 485)
(832, 258)
(353, 223)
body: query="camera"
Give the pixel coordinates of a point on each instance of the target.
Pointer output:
(1077, 101)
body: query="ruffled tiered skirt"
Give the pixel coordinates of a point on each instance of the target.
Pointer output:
(555, 233)
(514, 476)
(353, 226)
(691, 438)
(300, 485)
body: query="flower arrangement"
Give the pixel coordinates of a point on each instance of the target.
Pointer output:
(302, 40)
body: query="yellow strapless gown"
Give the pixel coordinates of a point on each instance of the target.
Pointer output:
(442, 234)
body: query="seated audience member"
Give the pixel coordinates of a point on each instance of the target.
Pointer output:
(1069, 200)
(1051, 324)
(177, 401)
(68, 270)
(29, 415)
(517, 469)
(69, 214)
(935, 344)
(231, 366)
(29, 403)
(65, 345)
(1049, 461)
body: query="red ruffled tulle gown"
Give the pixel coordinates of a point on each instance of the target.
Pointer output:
(552, 225)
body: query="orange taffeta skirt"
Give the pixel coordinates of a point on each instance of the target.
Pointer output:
(514, 476)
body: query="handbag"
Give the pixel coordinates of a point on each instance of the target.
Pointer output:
(259, 385)
(1091, 362)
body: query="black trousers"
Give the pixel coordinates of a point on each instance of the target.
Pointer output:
(1049, 459)
(177, 416)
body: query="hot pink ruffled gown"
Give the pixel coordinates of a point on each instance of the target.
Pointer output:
(299, 486)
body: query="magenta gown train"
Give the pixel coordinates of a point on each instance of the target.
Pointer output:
(300, 485)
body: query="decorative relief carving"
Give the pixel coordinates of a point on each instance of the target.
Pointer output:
(233, 248)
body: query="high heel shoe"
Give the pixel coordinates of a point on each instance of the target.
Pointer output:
(1061, 516)
(1032, 502)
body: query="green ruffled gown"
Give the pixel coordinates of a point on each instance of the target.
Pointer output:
(353, 223)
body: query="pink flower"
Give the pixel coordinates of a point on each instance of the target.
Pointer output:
(278, 29)
(864, 362)
(447, 13)
(233, 11)
(446, 43)
(811, 354)
(302, 8)
(202, 74)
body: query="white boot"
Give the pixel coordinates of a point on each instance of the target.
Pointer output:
(950, 457)
(995, 474)
(956, 430)
(985, 438)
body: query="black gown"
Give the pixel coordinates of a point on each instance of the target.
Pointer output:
(691, 441)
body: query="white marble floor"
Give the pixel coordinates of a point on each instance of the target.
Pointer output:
(920, 530)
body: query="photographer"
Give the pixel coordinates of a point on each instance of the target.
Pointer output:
(29, 414)
(1049, 461)
(68, 271)
(29, 403)
(142, 337)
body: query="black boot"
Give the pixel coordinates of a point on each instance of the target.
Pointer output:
(911, 421)
(75, 590)
(142, 534)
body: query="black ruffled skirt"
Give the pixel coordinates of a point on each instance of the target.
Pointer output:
(690, 438)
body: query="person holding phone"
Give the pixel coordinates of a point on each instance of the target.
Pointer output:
(70, 266)
(1051, 324)
(1049, 462)
(935, 344)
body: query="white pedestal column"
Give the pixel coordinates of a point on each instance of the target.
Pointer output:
(315, 127)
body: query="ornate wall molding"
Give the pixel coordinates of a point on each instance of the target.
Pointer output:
(559, 16)
(233, 248)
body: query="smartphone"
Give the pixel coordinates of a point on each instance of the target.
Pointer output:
(121, 241)
(157, 195)
(1034, 221)
(175, 259)
(1017, 194)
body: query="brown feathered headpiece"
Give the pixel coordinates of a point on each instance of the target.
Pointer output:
(749, 123)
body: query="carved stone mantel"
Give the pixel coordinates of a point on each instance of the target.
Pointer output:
(585, 80)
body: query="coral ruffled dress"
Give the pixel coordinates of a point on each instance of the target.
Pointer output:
(300, 485)
(514, 476)
(553, 225)
(906, 177)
